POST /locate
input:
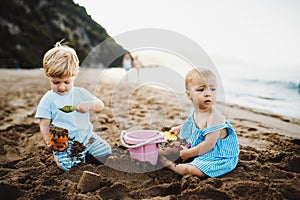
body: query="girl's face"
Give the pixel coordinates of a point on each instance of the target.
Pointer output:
(202, 92)
(61, 85)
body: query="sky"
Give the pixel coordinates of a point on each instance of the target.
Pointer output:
(260, 32)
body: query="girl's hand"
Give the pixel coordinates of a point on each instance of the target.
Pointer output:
(84, 106)
(175, 129)
(184, 153)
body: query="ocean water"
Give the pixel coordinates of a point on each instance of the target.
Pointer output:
(274, 90)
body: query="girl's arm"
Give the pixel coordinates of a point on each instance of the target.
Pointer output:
(86, 106)
(210, 139)
(202, 148)
(44, 129)
(175, 129)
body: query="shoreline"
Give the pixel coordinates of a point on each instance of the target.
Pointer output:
(115, 77)
(119, 73)
(96, 76)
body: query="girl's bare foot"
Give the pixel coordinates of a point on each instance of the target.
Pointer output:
(165, 162)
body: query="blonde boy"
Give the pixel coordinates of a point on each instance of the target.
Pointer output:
(61, 66)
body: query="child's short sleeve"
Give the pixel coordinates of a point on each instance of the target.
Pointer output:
(44, 108)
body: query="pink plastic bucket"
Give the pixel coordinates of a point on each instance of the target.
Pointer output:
(143, 144)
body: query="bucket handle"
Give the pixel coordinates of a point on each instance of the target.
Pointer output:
(160, 136)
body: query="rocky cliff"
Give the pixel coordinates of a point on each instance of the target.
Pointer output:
(28, 28)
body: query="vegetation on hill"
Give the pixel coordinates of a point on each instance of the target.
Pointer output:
(28, 28)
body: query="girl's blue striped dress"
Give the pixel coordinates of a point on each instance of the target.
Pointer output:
(223, 158)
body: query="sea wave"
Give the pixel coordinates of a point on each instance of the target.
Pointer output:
(289, 84)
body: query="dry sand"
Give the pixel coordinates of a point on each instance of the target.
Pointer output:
(268, 168)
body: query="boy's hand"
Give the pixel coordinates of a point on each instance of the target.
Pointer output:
(48, 146)
(84, 107)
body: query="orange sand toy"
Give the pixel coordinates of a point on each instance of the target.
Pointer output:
(58, 138)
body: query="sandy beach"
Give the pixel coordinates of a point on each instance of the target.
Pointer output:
(268, 168)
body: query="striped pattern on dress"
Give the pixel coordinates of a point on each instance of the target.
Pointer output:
(223, 158)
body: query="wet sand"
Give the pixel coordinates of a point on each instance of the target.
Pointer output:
(268, 168)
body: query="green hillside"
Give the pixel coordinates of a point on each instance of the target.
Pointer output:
(28, 28)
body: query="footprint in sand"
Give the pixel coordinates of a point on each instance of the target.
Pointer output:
(116, 191)
(252, 129)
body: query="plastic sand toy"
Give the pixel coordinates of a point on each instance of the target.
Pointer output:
(58, 138)
(170, 136)
(143, 144)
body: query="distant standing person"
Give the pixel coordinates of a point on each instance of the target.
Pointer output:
(127, 63)
(137, 64)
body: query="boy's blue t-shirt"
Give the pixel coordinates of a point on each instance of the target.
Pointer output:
(75, 122)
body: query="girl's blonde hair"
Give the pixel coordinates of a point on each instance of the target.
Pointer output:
(197, 72)
(61, 61)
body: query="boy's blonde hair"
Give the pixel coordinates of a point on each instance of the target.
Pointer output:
(197, 72)
(61, 61)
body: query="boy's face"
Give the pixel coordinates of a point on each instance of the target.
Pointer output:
(202, 92)
(61, 85)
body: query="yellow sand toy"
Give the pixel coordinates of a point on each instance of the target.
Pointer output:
(170, 136)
